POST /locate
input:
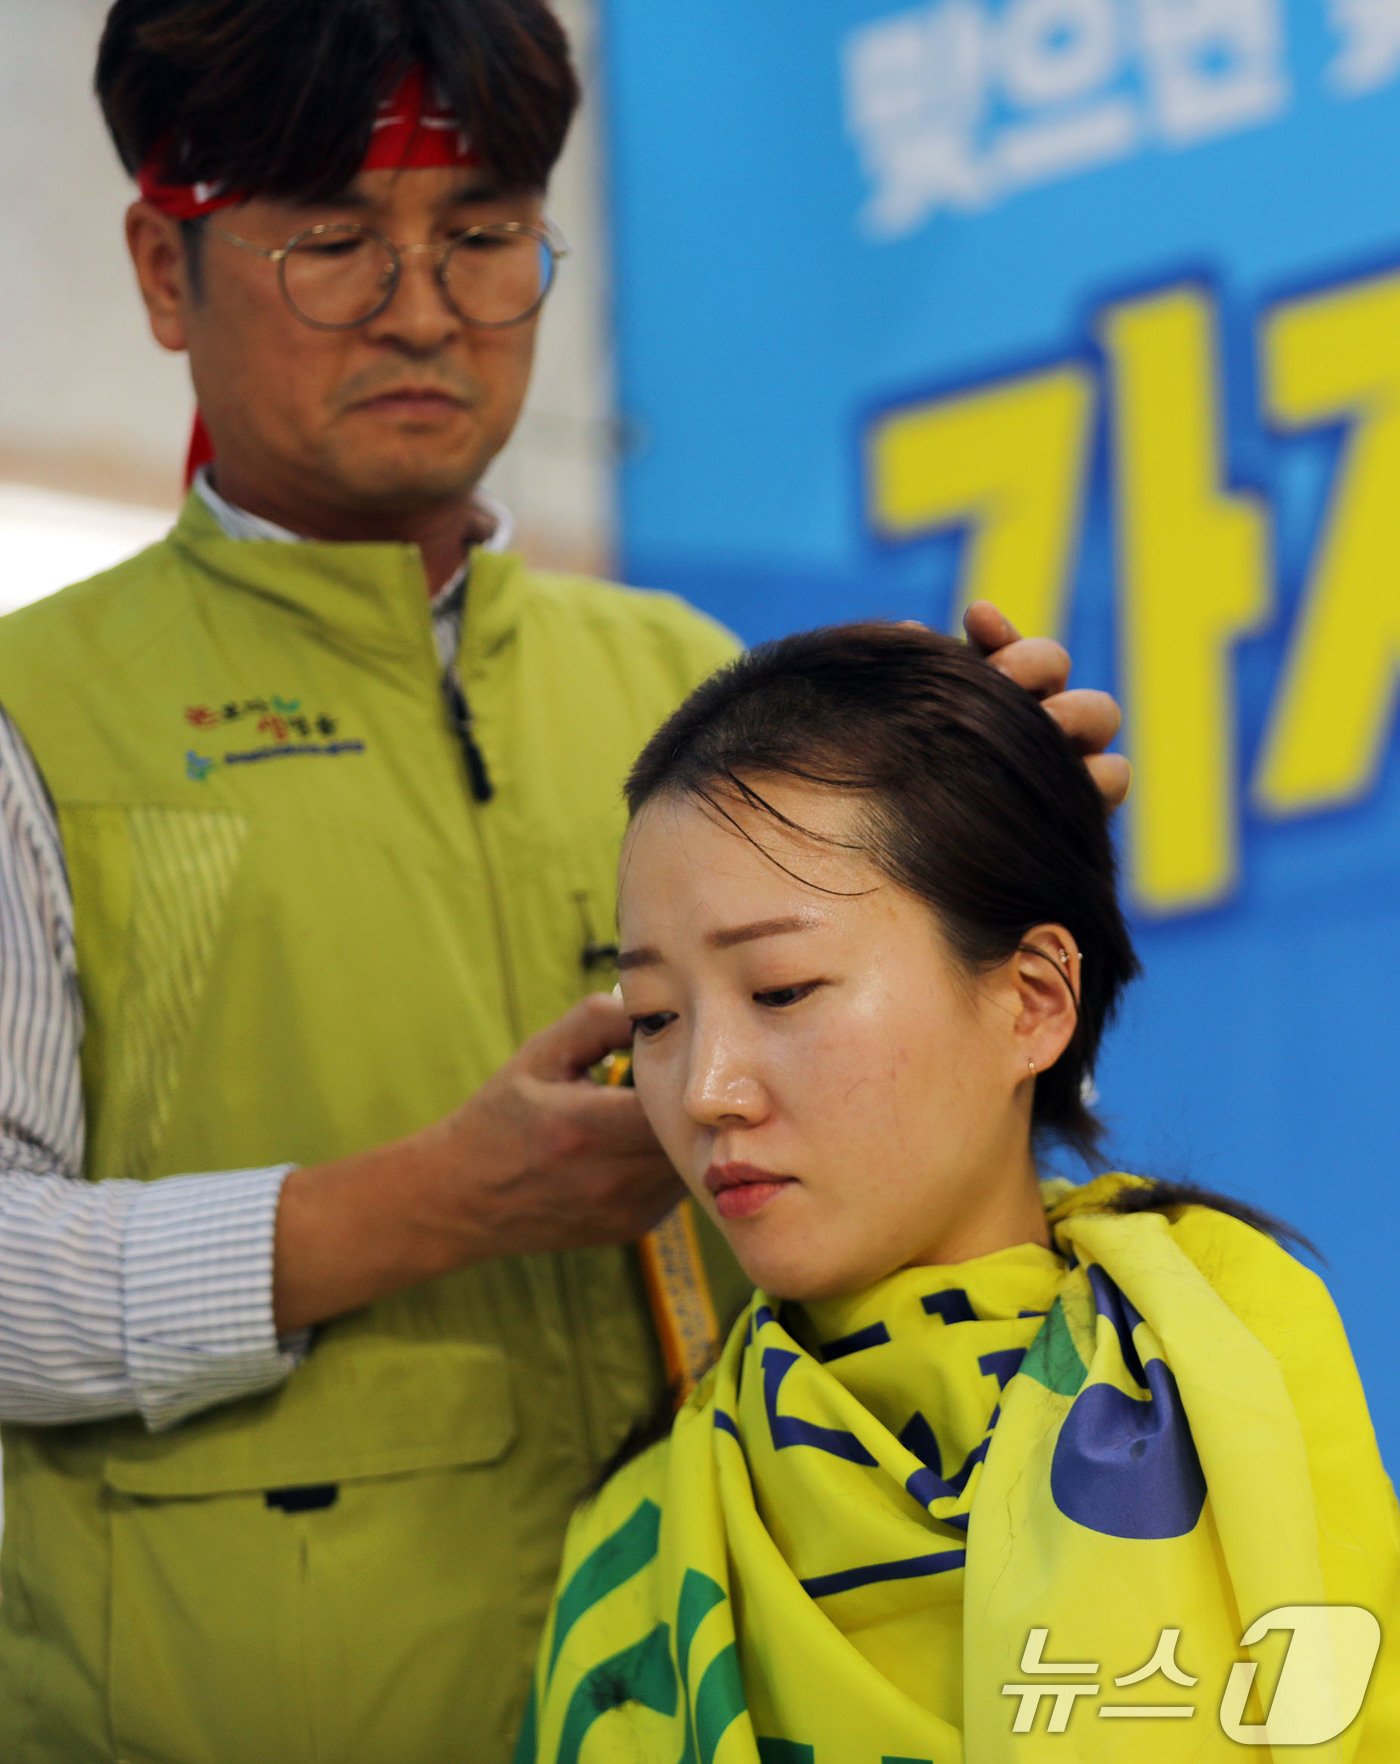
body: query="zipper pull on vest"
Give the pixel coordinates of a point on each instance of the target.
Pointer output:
(460, 714)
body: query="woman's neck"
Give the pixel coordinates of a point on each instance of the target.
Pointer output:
(1007, 1213)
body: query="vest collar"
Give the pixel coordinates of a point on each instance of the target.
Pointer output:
(371, 596)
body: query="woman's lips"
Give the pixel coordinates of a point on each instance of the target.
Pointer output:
(744, 1199)
(741, 1190)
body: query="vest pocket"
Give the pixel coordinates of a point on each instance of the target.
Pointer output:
(374, 1627)
(360, 1406)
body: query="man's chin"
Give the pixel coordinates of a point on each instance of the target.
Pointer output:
(402, 486)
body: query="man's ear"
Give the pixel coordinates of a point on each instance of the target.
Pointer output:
(1044, 974)
(162, 267)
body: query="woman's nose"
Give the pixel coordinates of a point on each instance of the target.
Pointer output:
(722, 1082)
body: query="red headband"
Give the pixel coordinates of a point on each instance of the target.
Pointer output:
(414, 131)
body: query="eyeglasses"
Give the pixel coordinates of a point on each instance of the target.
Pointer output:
(339, 276)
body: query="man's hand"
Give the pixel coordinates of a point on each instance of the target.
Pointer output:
(540, 1158)
(1040, 665)
(545, 1159)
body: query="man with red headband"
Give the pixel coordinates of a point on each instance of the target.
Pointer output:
(316, 1305)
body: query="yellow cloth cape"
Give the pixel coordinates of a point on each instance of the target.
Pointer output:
(1139, 1446)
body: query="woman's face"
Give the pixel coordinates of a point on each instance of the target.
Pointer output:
(834, 1087)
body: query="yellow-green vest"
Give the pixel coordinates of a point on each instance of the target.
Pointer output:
(300, 934)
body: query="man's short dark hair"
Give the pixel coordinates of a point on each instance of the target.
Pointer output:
(277, 97)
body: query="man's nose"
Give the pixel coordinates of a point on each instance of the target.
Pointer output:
(722, 1080)
(419, 315)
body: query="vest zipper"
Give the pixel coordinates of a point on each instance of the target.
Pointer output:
(459, 712)
(483, 791)
(595, 954)
(460, 716)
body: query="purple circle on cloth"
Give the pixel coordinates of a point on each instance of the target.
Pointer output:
(1127, 1466)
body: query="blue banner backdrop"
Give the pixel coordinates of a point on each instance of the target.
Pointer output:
(1092, 306)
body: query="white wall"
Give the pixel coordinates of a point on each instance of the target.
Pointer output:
(49, 538)
(557, 473)
(88, 403)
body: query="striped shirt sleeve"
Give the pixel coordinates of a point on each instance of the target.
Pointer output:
(115, 1297)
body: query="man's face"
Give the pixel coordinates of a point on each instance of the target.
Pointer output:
(400, 414)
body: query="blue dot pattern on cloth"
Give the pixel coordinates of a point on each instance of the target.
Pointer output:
(1125, 1466)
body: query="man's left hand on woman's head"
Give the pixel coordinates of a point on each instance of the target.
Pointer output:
(1040, 665)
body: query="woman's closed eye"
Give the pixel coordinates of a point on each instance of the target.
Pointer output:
(773, 998)
(779, 998)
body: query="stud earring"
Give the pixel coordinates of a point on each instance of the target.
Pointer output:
(1031, 1064)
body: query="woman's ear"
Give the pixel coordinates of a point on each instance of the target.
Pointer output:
(1044, 974)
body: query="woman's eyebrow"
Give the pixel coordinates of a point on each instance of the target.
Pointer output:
(646, 957)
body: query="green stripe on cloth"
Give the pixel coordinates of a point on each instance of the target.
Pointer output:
(621, 1555)
(640, 1674)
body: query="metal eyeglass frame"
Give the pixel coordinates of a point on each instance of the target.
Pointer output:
(546, 234)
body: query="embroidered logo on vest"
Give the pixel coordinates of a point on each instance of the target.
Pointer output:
(279, 720)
